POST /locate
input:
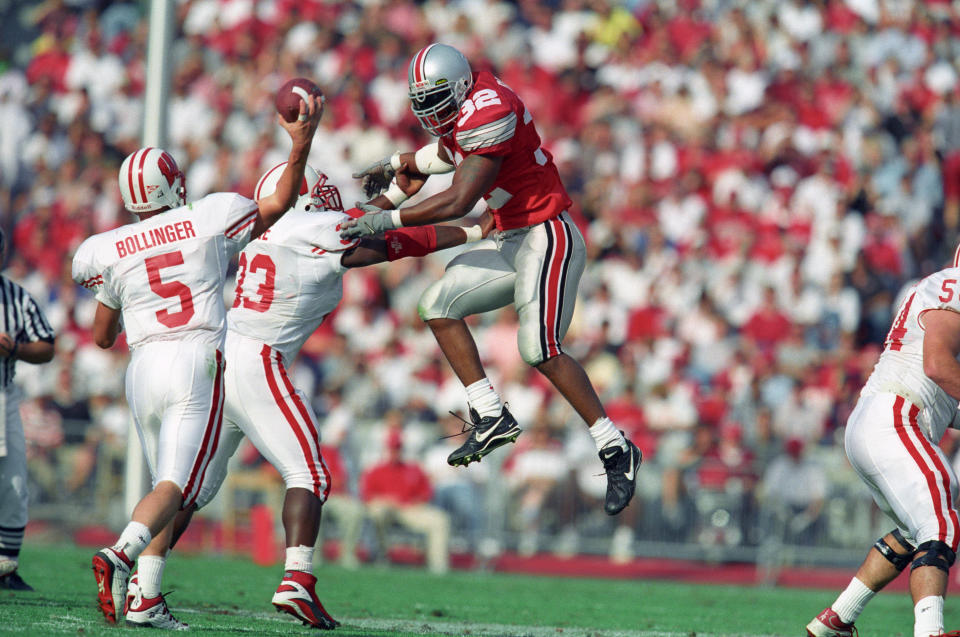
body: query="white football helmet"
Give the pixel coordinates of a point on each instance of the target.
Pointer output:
(315, 193)
(439, 78)
(151, 180)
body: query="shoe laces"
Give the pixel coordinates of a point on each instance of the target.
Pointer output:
(166, 608)
(468, 427)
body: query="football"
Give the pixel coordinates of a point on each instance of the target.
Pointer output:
(288, 98)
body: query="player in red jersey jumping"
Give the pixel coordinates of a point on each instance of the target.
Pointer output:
(488, 140)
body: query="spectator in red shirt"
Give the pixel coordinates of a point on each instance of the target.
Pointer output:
(767, 326)
(399, 492)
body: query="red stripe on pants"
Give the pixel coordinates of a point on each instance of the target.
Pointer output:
(932, 485)
(211, 438)
(265, 355)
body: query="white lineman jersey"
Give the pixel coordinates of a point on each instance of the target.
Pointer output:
(900, 368)
(892, 437)
(166, 274)
(289, 279)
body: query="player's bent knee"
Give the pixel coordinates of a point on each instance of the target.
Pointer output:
(434, 305)
(899, 560)
(530, 350)
(936, 554)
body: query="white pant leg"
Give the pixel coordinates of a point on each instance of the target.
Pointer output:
(549, 259)
(13, 477)
(230, 437)
(274, 415)
(175, 391)
(475, 281)
(910, 478)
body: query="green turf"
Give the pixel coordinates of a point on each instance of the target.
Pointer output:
(230, 596)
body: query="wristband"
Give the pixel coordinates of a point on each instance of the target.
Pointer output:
(395, 160)
(395, 218)
(395, 194)
(16, 346)
(474, 233)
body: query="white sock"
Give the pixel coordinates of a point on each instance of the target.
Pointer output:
(150, 574)
(605, 433)
(481, 397)
(928, 617)
(852, 601)
(299, 558)
(133, 540)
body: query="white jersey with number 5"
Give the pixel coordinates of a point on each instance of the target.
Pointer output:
(900, 368)
(289, 279)
(167, 273)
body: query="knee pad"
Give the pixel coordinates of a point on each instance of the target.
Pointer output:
(937, 554)
(899, 560)
(530, 349)
(434, 303)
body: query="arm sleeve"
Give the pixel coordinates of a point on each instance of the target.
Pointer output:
(240, 216)
(491, 131)
(35, 324)
(415, 241)
(88, 273)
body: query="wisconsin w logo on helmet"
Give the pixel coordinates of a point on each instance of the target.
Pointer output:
(150, 180)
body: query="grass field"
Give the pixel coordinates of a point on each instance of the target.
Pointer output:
(230, 596)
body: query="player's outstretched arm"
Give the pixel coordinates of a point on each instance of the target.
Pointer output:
(301, 132)
(941, 345)
(432, 159)
(405, 184)
(474, 177)
(415, 242)
(106, 326)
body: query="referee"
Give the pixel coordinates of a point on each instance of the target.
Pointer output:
(25, 335)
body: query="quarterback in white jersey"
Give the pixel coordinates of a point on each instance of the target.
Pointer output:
(892, 440)
(164, 277)
(288, 280)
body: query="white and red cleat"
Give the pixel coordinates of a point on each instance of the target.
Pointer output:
(133, 589)
(111, 570)
(150, 612)
(296, 596)
(828, 624)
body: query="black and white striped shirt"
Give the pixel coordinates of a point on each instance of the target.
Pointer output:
(22, 320)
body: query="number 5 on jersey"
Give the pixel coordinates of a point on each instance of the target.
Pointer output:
(170, 289)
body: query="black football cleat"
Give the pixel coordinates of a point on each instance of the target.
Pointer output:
(486, 434)
(621, 469)
(13, 582)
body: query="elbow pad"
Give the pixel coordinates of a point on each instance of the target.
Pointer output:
(428, 161)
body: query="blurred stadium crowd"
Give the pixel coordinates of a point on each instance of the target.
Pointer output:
(757, 182)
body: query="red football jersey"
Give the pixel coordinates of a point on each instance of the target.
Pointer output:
(493, 121)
